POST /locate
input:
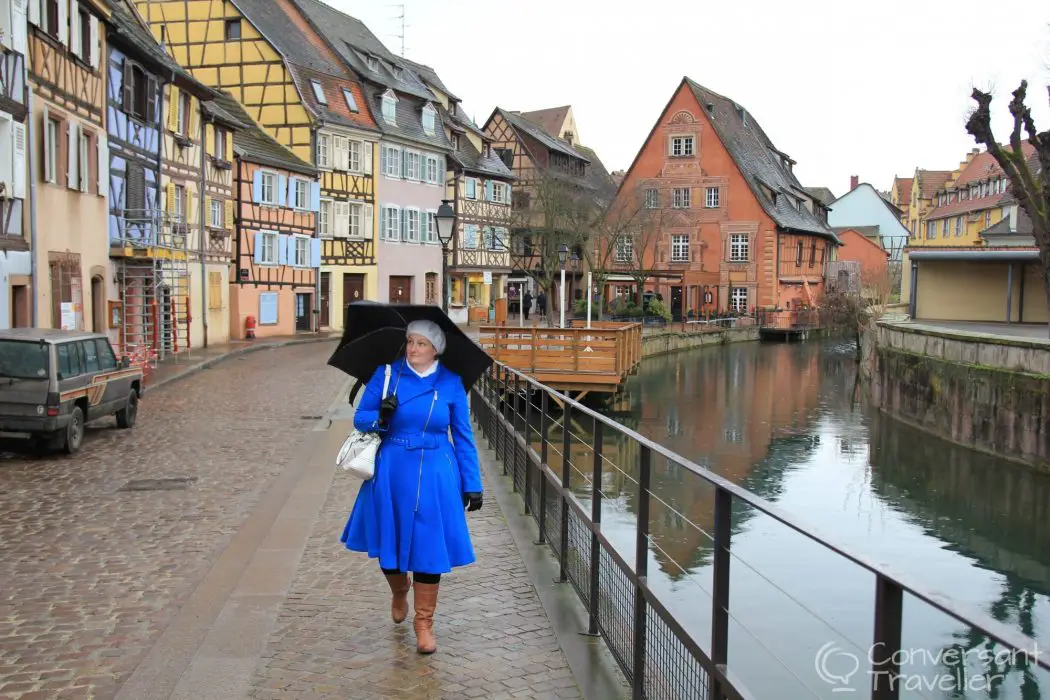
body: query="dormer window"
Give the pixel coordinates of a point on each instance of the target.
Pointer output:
(318, 91)
(390, 107)
(396, 70)
(429, 119)
(373, 63)
(351, 103)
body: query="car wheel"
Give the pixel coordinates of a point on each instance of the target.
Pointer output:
(74, 432)
(126, 416)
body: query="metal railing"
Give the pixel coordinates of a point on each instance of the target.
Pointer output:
(660, 658)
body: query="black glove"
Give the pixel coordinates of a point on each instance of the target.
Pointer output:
(386, 410)
(472, 501)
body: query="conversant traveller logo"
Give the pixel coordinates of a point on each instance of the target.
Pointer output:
(949, 670)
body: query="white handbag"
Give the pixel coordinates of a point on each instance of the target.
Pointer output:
(358, 453)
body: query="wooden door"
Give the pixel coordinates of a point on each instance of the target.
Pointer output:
(302, 311)
(353, 289)
(400, 290)
(326, 299)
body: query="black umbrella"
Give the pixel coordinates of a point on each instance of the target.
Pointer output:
(374, 335)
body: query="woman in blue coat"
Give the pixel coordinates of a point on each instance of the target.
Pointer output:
(410, 514)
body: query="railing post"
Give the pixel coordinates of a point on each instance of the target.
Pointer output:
(528, 451)
(566, 479)
(641, 569)
(720, 586)
(596, 518)
(889, 613)
(506, 419)
(544, 433)
(514, 436)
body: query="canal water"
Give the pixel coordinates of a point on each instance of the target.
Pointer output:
(789, 422)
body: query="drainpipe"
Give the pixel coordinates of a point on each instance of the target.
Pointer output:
(317, 237)
(913, 302)
(30, 140)
(1009, 291)
(200, 228)
(1020, 295)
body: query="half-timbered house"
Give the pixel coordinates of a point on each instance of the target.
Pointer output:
(737, 229)
(266, 54)
(67, 50)
(479, 184)
(16, 307)
(277, 254)
(412, 162)
(542, 164)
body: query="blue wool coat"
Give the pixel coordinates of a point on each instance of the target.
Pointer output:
(410, 514)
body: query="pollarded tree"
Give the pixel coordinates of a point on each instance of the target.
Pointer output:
(1029, 178)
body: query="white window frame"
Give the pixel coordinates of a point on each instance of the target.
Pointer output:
(353, 155)
(412, 235)
(300, 244)
(324, 151)
(683, 146)
(410, 167)
(433, 173)
(324, 217)
(680, 248)
(652, 198)
(269, 180)
(738, 299)
(318, 92)
(179, 215)
(739, 248)
(681, 198)
(392, 167)
(351, 102)
(356, 220)
(499, 192)
(396, 218)
(713, 198)
(215, 215)
(273, 239)
(389, 110)
(429, 120)
(470, 188)
(300, 194)
(84, 170)
(625, 249)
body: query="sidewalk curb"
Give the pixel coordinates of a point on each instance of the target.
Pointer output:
(191, 369)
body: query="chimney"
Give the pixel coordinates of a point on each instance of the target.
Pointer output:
(568, 137)
(854, 180)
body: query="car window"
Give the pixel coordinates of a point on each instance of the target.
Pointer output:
(22, 359)
(106, 359)
(69, 361)
(90, 355)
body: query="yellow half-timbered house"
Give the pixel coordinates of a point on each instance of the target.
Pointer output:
(267, 56)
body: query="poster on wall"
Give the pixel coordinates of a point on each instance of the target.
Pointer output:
(69, 316)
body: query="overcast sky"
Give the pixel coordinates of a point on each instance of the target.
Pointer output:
(845, 87)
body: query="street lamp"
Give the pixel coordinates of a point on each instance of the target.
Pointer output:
(563, 254)
(446, 226)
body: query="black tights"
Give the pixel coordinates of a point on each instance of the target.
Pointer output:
(416, 575)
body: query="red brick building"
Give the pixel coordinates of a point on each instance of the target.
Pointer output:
(735, 228)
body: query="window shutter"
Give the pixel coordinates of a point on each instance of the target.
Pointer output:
(209, 140)
(506, 194)
(366, 221)
(366, 156)
(207, 212)
(228, 206)
(382, 222)
(315, 252)
(74, 29)
(63, 22)
(128, 88)
(282, 249)
(34, 12)
(257, 187)
(93, 57)
(18, 25)
(193, 118)
(151, 100)
(72, 156)
(173, 109)
(257, 253)
(404, 224)
(18, 147)
(282, 191)
(490, 194)
(170, 193)
(315, 197)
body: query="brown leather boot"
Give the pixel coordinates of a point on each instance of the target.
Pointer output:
(425, 597)
(399, 586)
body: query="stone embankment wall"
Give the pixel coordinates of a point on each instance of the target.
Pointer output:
(663, 342)
(982, 391)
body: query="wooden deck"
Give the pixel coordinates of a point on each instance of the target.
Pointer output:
(574, 359)
(789, 325)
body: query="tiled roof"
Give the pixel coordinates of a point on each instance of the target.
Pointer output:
(904, 189)
(255, 145)
(551, 119)
(337, 110)
(409, 118)
(759, 162)
(537, 132)
(597, 176)
(1003, 228)
(279, 29)
(353, 41)
(967, 206)
(429, 76)
(930, 181)
(983, 167)
(472, 161)
(822, 194)
(215, 110)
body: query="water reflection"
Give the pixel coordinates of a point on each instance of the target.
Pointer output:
(789, 423)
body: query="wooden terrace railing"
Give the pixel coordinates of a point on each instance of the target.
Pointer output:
(596, 359)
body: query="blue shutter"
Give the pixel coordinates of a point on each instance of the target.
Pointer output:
(490, 194)
(507, 192)
(282, 250)
(257, 187)
(382, 222)
(282, 191)
(315, 252)
(382, 159)
(404, 224)
(315, 196)
(257, 256)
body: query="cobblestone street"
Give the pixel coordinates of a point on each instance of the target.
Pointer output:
(91, 573)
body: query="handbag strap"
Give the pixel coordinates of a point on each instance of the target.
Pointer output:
(386, 381)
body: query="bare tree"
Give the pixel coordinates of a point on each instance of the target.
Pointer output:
(613, 234)
(1029, 179)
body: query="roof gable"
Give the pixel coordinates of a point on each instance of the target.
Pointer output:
(870, 197)
(844, 233)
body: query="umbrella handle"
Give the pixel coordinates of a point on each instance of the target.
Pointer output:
(354, 391)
